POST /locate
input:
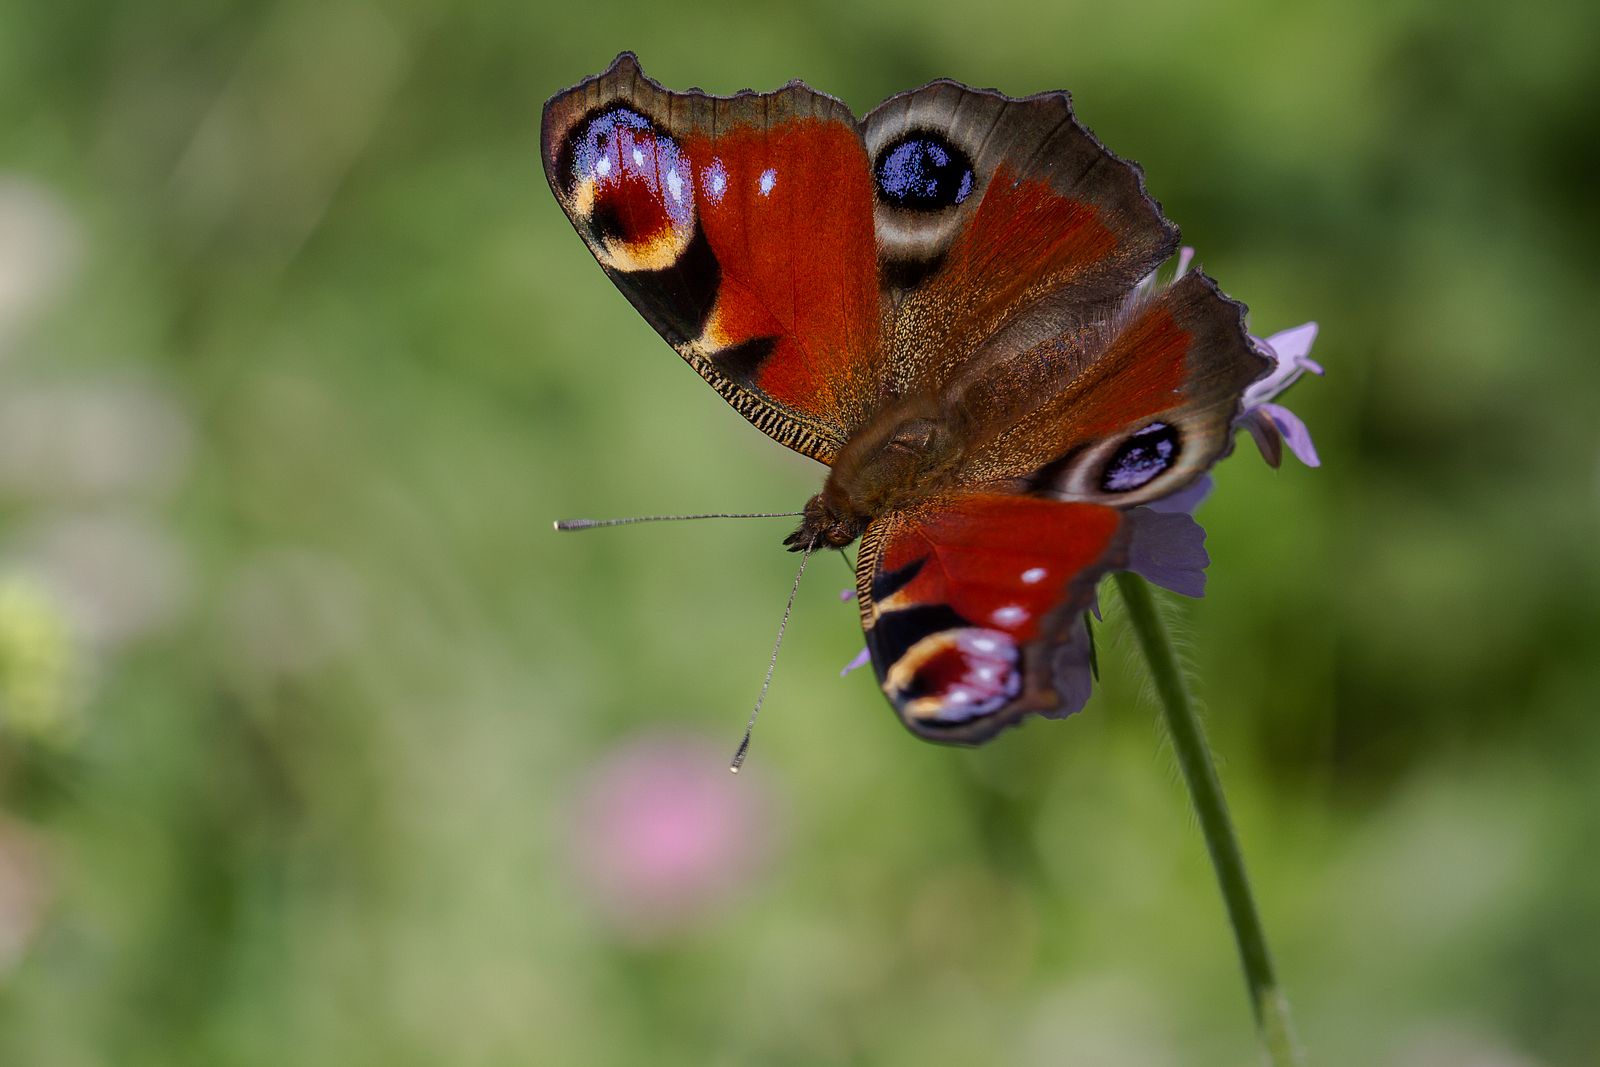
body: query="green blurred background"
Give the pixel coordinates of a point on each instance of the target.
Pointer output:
(317, 747)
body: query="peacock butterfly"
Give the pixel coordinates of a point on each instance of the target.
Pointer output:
(950, 303)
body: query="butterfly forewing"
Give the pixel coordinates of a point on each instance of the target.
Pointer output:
(741, 229)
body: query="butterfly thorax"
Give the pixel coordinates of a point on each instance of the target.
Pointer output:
(898, 461)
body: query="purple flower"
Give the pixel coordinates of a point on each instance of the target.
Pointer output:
(1273, 425)
(664, 836)
(1168, 548)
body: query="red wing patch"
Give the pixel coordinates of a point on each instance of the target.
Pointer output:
(1142, 372)
(787, 210)
(1024, 237)
(965, 603)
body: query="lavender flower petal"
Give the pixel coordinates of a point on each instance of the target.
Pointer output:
(1188, 498)
(1289, 351)
(1265, 434)
(1147, 285)
(1294, 344)
(1073, 673)
(1168, 549)
(1185, 257)
(1294, 432)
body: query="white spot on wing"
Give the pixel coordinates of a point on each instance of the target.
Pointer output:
(602, 167)
(1010, 615)
(715, 178)
(1034, 575)
(769, 178)
(675, 185)
(638, 157)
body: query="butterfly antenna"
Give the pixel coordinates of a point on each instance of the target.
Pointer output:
(744, 744)
(590, 524)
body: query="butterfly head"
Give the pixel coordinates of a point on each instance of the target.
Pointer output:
(825, 523)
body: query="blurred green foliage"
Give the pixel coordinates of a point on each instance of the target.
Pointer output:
(299, 359)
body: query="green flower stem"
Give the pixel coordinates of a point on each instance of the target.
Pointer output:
(1205, 792)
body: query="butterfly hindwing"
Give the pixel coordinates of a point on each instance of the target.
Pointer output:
(973, 608)
(1148, 410)
(741, 229)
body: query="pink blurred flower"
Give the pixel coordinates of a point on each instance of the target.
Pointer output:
(664, 836)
